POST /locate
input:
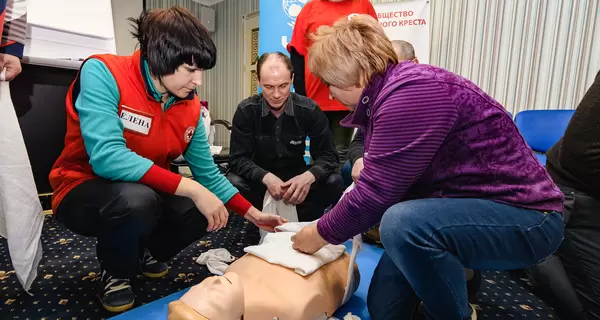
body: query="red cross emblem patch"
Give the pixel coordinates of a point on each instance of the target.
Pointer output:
(189, 133)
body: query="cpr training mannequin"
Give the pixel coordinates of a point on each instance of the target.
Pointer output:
(266, 291)
(215, 298)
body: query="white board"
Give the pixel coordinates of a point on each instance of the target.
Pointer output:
(69, 29)
(92, 18)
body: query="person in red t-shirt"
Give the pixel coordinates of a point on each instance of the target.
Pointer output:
(317, 13)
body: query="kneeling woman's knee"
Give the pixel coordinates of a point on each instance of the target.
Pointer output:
(400, 224)
(135, 202)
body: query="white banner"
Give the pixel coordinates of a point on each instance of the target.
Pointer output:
(408, 21)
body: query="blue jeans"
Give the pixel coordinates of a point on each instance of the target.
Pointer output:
(429, 242)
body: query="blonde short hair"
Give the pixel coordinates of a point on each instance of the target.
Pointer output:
(350, 52)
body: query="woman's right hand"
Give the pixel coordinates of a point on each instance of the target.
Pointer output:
(214, 210)
(207, 203)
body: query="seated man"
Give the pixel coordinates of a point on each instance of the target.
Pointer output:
(267, 145)
(569, 280)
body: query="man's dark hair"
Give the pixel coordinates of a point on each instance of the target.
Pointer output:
(279, 55)
(171, 37)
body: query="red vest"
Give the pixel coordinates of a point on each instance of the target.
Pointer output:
(151, 133)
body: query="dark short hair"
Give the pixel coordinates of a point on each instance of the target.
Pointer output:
(171, 37)
(279, 55)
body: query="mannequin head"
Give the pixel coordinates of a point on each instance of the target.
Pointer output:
(216, 298)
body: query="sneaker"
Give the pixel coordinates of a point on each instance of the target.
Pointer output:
(474, 313)
(151, 267)
(116, 295)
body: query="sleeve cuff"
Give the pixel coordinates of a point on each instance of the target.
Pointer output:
(261, 175)
(161, 179)
(300, 49)
(238, 204)
(14, 49)
(318, 172)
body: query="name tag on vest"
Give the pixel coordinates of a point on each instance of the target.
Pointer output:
(135, 121)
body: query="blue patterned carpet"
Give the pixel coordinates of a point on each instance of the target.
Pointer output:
(68, 279)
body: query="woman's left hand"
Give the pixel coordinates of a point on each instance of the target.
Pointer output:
(308, 240)
(265, 221)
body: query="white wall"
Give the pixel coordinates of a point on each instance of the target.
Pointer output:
(121, 11)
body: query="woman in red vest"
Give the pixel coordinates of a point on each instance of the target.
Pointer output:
(128, 117)
(314, 14)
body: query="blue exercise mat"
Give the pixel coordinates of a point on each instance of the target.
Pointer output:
(367, 261)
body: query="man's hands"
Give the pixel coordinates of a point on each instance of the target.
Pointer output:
(209, 205)
(274, 185)
(293, 191)
(298, 188)
(357, 168)
(12, 65)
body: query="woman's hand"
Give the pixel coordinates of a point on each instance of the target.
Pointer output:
(265, 221)
(214, 210)
(308, 240)
(209, 205)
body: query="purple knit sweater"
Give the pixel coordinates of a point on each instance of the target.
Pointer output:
(430, 133)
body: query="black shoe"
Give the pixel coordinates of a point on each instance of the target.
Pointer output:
(116, 295)
(151, 267)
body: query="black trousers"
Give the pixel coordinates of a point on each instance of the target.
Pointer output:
(342, 137)
(126, 218)
(569, 280)
(321, 195)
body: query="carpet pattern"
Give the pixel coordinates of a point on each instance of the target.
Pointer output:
(68, 279)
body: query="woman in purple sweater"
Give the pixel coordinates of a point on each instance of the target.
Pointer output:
(445, 171)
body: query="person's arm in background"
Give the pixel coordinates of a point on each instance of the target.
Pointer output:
(241, 147)
(399, 153)
(205, 171)
(579, 150)
(14, 30)
(298, 66)
(356, 153)
(322, 148)
(298, 48)
(357, 147)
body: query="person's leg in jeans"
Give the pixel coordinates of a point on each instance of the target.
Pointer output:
(254, 192)
(341, 136)
(431, 241)
(120, 216)
(321, 195)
